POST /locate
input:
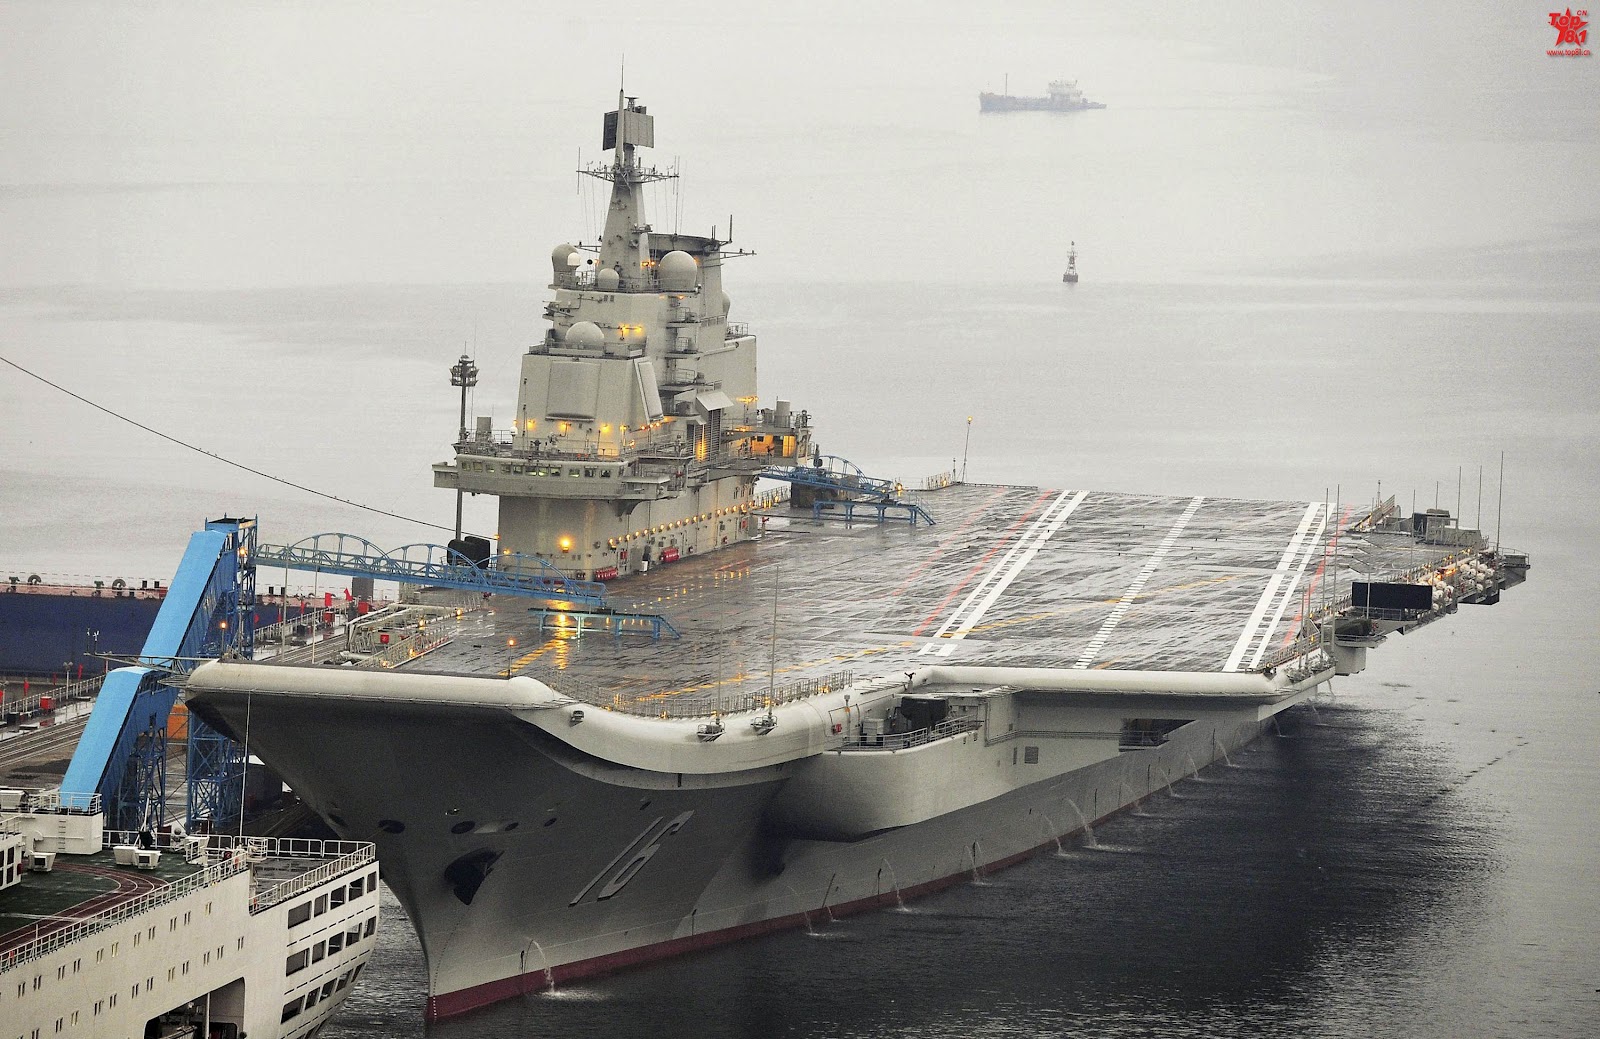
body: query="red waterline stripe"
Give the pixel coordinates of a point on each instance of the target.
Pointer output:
(461, 1001)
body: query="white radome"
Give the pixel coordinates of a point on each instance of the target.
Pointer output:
(586, 335)
(678, 271)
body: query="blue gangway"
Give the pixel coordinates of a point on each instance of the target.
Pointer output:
(506, 574)
(122, 753)
(843, 489)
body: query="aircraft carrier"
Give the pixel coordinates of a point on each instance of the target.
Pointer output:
(724, 710)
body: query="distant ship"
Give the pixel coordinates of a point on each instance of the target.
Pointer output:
(1071, 277)
(1064, 96)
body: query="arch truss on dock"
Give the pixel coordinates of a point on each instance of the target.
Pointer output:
(435, 565)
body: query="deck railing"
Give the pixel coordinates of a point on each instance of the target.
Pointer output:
(1311, 626)
(411, 647)
(44, 944)
(704, 704)
(28, 706)
(228, 850)
(359, 855)
(905, 740)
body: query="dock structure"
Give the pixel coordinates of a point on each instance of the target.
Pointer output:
(121, 757)
(836, 487)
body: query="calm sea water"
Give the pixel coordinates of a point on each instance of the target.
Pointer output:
(1322, 248)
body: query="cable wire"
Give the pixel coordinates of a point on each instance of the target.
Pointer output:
(220, 458)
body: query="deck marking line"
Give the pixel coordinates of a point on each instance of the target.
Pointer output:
(1020, 520)
(1017, 566)
(993, 573)
(1288, 591)
(1011, 553)
(943, 546)
(1328, 551)
(1259, 613)
(1146, 571)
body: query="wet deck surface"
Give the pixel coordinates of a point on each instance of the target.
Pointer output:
(1015, 577)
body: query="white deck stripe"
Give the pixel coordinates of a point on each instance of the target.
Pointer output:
(1288, 593)
(1146, 571)
(994, 571)
(1253, 625)
(1020, 564)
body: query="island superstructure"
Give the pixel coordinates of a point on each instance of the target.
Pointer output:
(636, 432)
(855, 713)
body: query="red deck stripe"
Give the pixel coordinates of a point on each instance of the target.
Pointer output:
(972, 516)
(937, 610)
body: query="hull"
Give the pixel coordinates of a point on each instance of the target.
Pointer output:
(49, 626)
(525, 863)
(1010, 103)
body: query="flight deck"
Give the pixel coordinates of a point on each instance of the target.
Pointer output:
(1010, 576)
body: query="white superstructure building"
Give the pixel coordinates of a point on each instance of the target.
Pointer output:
(106, 934)
(637, 432)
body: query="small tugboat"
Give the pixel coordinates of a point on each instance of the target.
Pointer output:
(1071, 277)
(1064, 96)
